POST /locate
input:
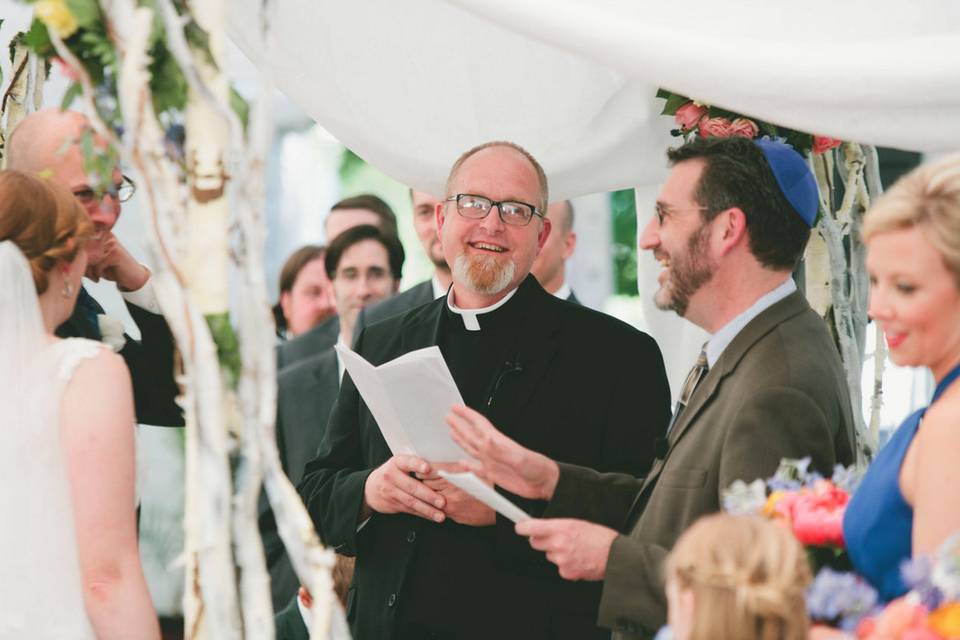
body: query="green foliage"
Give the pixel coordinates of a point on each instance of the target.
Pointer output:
(86, 12)
(240, 107)
(228, 347)
(623, 210)
(98, 161)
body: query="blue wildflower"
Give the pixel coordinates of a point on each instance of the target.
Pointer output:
(839, 598)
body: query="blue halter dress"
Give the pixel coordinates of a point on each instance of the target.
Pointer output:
(878, 523)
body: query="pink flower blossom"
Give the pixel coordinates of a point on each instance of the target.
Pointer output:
(715, 127)
(823, 144)
(745, 128)
(688, 115)
(68, 71)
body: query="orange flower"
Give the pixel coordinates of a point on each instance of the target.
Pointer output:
(946, 620)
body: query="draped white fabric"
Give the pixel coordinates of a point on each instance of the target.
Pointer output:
(409, 85)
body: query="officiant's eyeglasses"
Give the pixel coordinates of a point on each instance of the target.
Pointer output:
(517, 214)
(121, 192)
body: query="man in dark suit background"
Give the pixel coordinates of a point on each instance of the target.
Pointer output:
(550, 267)
(566, 380)
(350, 212)
(425, 224)
(731, 224)
(47, 143)
(364, 265)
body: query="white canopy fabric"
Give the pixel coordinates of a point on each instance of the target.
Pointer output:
(410, 85)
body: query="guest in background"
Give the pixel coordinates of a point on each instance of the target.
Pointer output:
(349, 212)
(550, 268)
(425, 224)
(736, 578)
(364, 265)
(907, 504)
(69, 565)
(306, 297)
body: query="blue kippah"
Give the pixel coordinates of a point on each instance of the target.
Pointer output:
(794, 177)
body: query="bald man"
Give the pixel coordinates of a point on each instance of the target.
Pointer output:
(550, 267)
(47, 143)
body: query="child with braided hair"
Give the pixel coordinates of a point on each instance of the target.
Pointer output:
(736, 578)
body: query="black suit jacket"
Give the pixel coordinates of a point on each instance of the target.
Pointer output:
(317, 340)
(306, 392)
(591, 389)
(150, 360)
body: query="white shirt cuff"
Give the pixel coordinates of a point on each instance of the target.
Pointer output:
(144, 297)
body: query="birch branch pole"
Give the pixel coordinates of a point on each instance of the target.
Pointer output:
(230, 438)
(836, 280)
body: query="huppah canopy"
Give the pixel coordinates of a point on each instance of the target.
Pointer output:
(410, 85)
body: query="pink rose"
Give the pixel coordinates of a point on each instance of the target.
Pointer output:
(715, 128)
(822, 144)
(689, 115)
(745, 128)
(68, 72)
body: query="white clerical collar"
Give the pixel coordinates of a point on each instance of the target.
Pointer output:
(470, 315)
(564, 291)
(438, 289)
(722, 338)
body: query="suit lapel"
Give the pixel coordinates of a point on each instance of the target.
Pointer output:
(421, 329)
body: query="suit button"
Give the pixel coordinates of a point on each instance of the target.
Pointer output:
(392, 600)
(411, 535)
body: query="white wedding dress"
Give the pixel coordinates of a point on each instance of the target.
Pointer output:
(40, 588)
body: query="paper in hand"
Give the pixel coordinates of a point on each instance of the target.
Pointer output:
(410, 398)
(485, 494)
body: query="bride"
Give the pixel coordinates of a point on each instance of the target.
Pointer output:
(69, 565)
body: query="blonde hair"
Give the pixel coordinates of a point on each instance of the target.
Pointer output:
(541, 176)
(929, 198)
(747, 575)
(44, 220)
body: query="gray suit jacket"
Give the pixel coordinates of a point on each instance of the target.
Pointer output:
(415, 296)
(313, 342)
(307, 391)
(777, 391)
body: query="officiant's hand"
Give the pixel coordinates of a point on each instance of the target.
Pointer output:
(580, 549)
(391, 489)
(461, 506)
(501, 460)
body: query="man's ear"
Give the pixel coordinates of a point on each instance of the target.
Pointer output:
(569, 244)
(544, 234)
(396, 285)
(439, 213)
(730, 228)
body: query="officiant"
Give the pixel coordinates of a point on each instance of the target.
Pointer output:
(565, 380)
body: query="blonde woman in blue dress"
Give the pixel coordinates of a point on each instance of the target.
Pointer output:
(69, 565)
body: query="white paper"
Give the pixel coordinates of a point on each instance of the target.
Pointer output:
(485, 494)
(410, 398)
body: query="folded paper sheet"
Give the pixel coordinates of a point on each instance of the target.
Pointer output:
(409, 398)
(485, 494)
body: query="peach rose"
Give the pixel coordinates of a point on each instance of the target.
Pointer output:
(822, 144)
(715, 127)
(745, 128)
(688, 115)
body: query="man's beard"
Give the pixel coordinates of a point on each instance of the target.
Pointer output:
(486, 275)
(688, 272)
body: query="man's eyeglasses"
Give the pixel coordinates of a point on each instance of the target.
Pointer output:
(121, 192)
(663, 212)
(517, 214)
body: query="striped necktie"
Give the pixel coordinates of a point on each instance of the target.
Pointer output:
(696, 374)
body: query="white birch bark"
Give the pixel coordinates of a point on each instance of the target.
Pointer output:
(211, 606)
(24, 94)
